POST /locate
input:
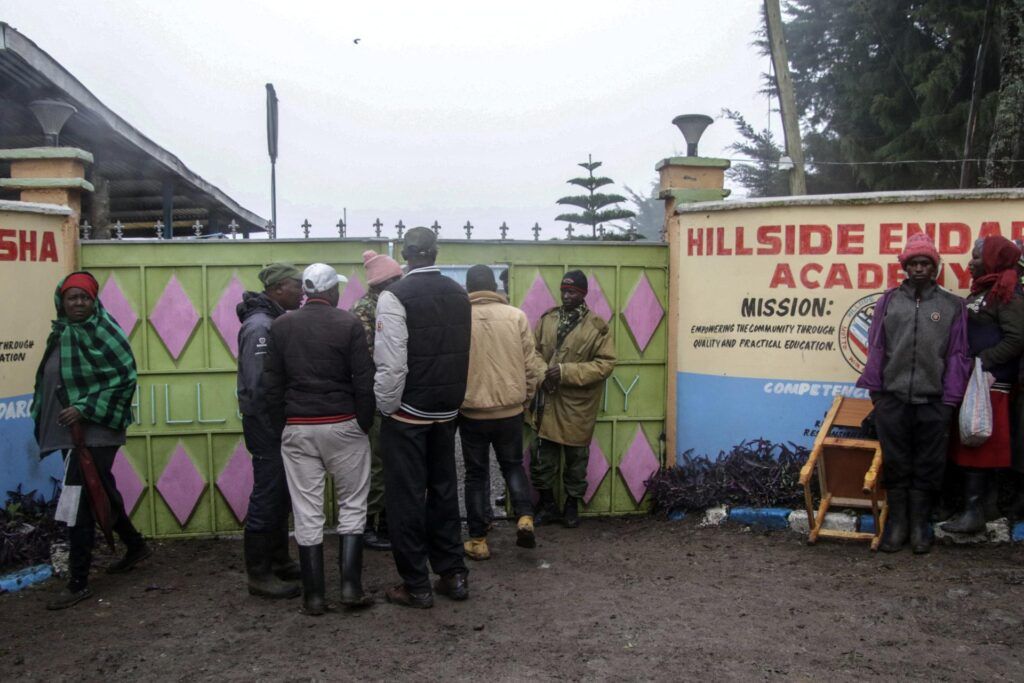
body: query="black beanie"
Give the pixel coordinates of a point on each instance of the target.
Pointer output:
(480, 278)
(575, 279)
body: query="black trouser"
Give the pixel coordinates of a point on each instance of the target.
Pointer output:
(422, 501)
(269, 503)
(82, 536)
(915, 441)
(506, 435)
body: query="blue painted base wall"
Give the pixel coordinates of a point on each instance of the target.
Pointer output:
(715, 413)
(19, 454)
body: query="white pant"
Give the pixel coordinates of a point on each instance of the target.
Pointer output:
(309, 453)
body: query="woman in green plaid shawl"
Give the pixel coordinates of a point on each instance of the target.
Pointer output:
(87, 376)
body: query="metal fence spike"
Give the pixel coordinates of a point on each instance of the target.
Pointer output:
(86, 230)
(306, 225)
(233, 228)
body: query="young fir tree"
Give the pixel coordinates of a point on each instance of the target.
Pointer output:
(593, 203)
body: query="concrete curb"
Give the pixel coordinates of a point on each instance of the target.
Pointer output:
(23, 578)
(996, 532)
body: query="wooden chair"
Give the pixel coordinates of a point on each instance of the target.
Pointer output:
(848, 470)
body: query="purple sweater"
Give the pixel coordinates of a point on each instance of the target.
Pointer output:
(957, 368)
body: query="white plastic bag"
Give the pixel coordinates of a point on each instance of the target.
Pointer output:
(976, 410)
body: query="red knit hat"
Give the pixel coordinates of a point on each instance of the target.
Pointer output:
(919, 244)
(380, 267)
(82, 280)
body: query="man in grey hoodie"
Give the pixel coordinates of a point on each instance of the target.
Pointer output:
(271, 572)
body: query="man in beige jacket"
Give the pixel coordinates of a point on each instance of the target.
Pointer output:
(504, 371)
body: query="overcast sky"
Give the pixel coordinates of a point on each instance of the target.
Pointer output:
(445, 110)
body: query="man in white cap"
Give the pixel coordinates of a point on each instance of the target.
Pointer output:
(318, 380)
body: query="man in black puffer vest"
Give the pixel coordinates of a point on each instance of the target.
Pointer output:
(422, 357)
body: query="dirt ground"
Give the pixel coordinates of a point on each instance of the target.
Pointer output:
(629, 598)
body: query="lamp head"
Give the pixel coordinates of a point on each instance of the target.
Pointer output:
(692, 127)
(52, 115)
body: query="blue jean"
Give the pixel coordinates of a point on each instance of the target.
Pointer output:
(269, 503)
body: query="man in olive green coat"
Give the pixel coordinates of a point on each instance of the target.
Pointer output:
(580, 353)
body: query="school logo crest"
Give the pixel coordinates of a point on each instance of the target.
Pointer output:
(853, 331)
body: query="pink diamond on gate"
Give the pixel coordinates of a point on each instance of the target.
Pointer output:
(354, 291)
(643, 312)
(180, 485)
(638, 465)
(538, 301)
(526, 466)
(117, 305)
(174, 317)
(597, 468)
(225, 318)
(235, 482)
(596, 300)
(128, 483)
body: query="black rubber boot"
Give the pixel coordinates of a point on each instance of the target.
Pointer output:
(896, 529)
(311, 559)
(261, 579)
(284, 567)
(921, 534)
(375, 534)
(547, 509)
(350, 562)
(571, 513)
(990, 501)
(972, 519)
(1016, 511)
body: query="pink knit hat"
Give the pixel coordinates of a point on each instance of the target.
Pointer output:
(380, 267)
(919, 244)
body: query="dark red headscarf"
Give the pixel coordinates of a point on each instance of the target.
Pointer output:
(999, 257)
(84, 281)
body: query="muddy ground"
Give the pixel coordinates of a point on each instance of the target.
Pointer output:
(629, 598)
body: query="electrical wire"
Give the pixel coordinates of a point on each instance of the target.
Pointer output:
(880, 163)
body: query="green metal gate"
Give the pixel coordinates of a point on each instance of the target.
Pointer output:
(185, 471)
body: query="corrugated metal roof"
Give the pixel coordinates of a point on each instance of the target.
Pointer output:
(135, 165)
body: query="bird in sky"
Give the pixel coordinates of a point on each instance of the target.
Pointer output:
(356, 41)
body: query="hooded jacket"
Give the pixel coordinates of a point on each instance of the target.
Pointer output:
(256, 312)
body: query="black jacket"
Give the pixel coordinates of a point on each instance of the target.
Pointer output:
(256, 313)
(318, 365)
